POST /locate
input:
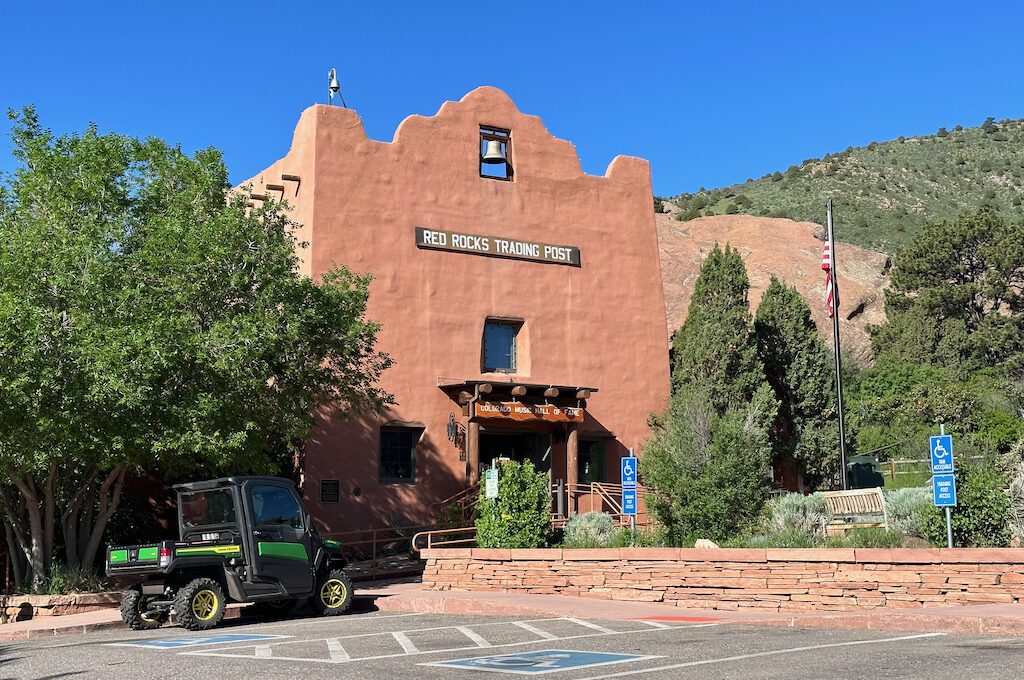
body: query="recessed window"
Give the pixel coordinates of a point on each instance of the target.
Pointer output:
(330, 490)
(591, 461)
(500, 345)
(495, 153)
(398, 454)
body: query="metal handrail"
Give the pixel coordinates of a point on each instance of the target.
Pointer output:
(429, 536)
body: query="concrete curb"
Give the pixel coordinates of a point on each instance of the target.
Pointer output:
(71, 628)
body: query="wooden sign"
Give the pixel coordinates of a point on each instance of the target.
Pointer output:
(494, 246)
(514, 410)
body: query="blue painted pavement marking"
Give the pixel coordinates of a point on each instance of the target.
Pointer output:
(543, 661)
(178, 643)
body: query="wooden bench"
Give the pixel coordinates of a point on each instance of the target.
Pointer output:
(854, 509)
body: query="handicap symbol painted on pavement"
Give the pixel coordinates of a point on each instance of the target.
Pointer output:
(181, 642)
(543, 661)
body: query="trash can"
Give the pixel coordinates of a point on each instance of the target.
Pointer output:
(864, 472)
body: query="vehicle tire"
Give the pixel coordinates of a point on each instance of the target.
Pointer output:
(333, 593)
(133, 611)
(199, 605)
(273, 609)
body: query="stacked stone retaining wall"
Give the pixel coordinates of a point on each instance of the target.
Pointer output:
(725, 578)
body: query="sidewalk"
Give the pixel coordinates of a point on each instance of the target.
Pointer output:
(986, 619)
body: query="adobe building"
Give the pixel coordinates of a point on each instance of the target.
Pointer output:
(520, 299)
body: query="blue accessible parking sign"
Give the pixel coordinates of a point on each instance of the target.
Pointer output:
(942, 454)
(629, 501)
(629, 471)
(944, 490)
(543, 661)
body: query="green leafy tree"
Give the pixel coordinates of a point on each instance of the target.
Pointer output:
(957, 297)
(149, 320)
(799, 369)
(715, 348)
(708, 472)
(520, 517)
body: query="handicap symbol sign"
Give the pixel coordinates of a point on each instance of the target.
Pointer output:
(942, 454)
(184, 642)
(539, 662)
(629, 471)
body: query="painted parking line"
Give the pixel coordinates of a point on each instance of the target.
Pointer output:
(337, 653)
(182, 642)
(540, 662)
(473, 635)
(754, 655)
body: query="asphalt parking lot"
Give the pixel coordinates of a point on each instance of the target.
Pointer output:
(370, 644)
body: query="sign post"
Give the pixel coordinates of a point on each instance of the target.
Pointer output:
(629, 470)
(943, 477)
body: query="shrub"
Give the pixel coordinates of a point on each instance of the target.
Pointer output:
(874, 537)
(520, 516)
(589, 530)
(982, 515)
(64, 580)
(787, 538)
(794, 511)
(907, 510)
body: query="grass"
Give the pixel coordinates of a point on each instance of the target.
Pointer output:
(885, 192)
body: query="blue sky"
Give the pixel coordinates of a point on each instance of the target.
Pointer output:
(711, 93)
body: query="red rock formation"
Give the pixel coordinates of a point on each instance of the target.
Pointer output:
(790, 250)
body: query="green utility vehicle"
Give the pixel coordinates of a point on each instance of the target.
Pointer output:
(242, 539)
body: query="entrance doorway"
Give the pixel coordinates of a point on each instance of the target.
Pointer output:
(518, 446)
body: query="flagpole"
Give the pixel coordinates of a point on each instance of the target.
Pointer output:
(835, 343)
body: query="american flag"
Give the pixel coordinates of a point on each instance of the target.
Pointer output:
(831, 291)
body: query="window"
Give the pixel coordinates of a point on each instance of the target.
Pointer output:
(203, 508)
(398, 454)
(274, 505)
(495, 150)
(330, 490)
(500, 346)
(591, 463)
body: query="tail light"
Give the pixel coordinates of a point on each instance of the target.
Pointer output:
(165, 556)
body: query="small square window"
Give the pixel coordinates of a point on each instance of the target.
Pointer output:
(500, 346)
(330, 490)
(495, 153)
(398, 454)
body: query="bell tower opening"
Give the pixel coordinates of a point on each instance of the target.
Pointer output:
(495, 150)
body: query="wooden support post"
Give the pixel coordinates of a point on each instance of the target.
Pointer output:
(572, 465)
(473, 453)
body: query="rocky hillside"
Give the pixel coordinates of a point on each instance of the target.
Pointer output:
(790, 250)
(885, 192)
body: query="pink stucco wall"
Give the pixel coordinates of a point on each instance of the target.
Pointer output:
(601, 324)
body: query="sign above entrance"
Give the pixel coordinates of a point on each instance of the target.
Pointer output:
(494, 246)
(514, 410)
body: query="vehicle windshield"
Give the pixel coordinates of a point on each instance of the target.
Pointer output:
(201, 508)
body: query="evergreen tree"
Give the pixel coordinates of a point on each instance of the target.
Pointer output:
(957, 297)
(716, 348)
(708, 471)
(799, 369)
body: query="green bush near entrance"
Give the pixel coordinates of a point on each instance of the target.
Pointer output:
(520, 517)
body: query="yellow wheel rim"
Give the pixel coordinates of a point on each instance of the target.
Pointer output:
(333, 593)
(204, 604)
